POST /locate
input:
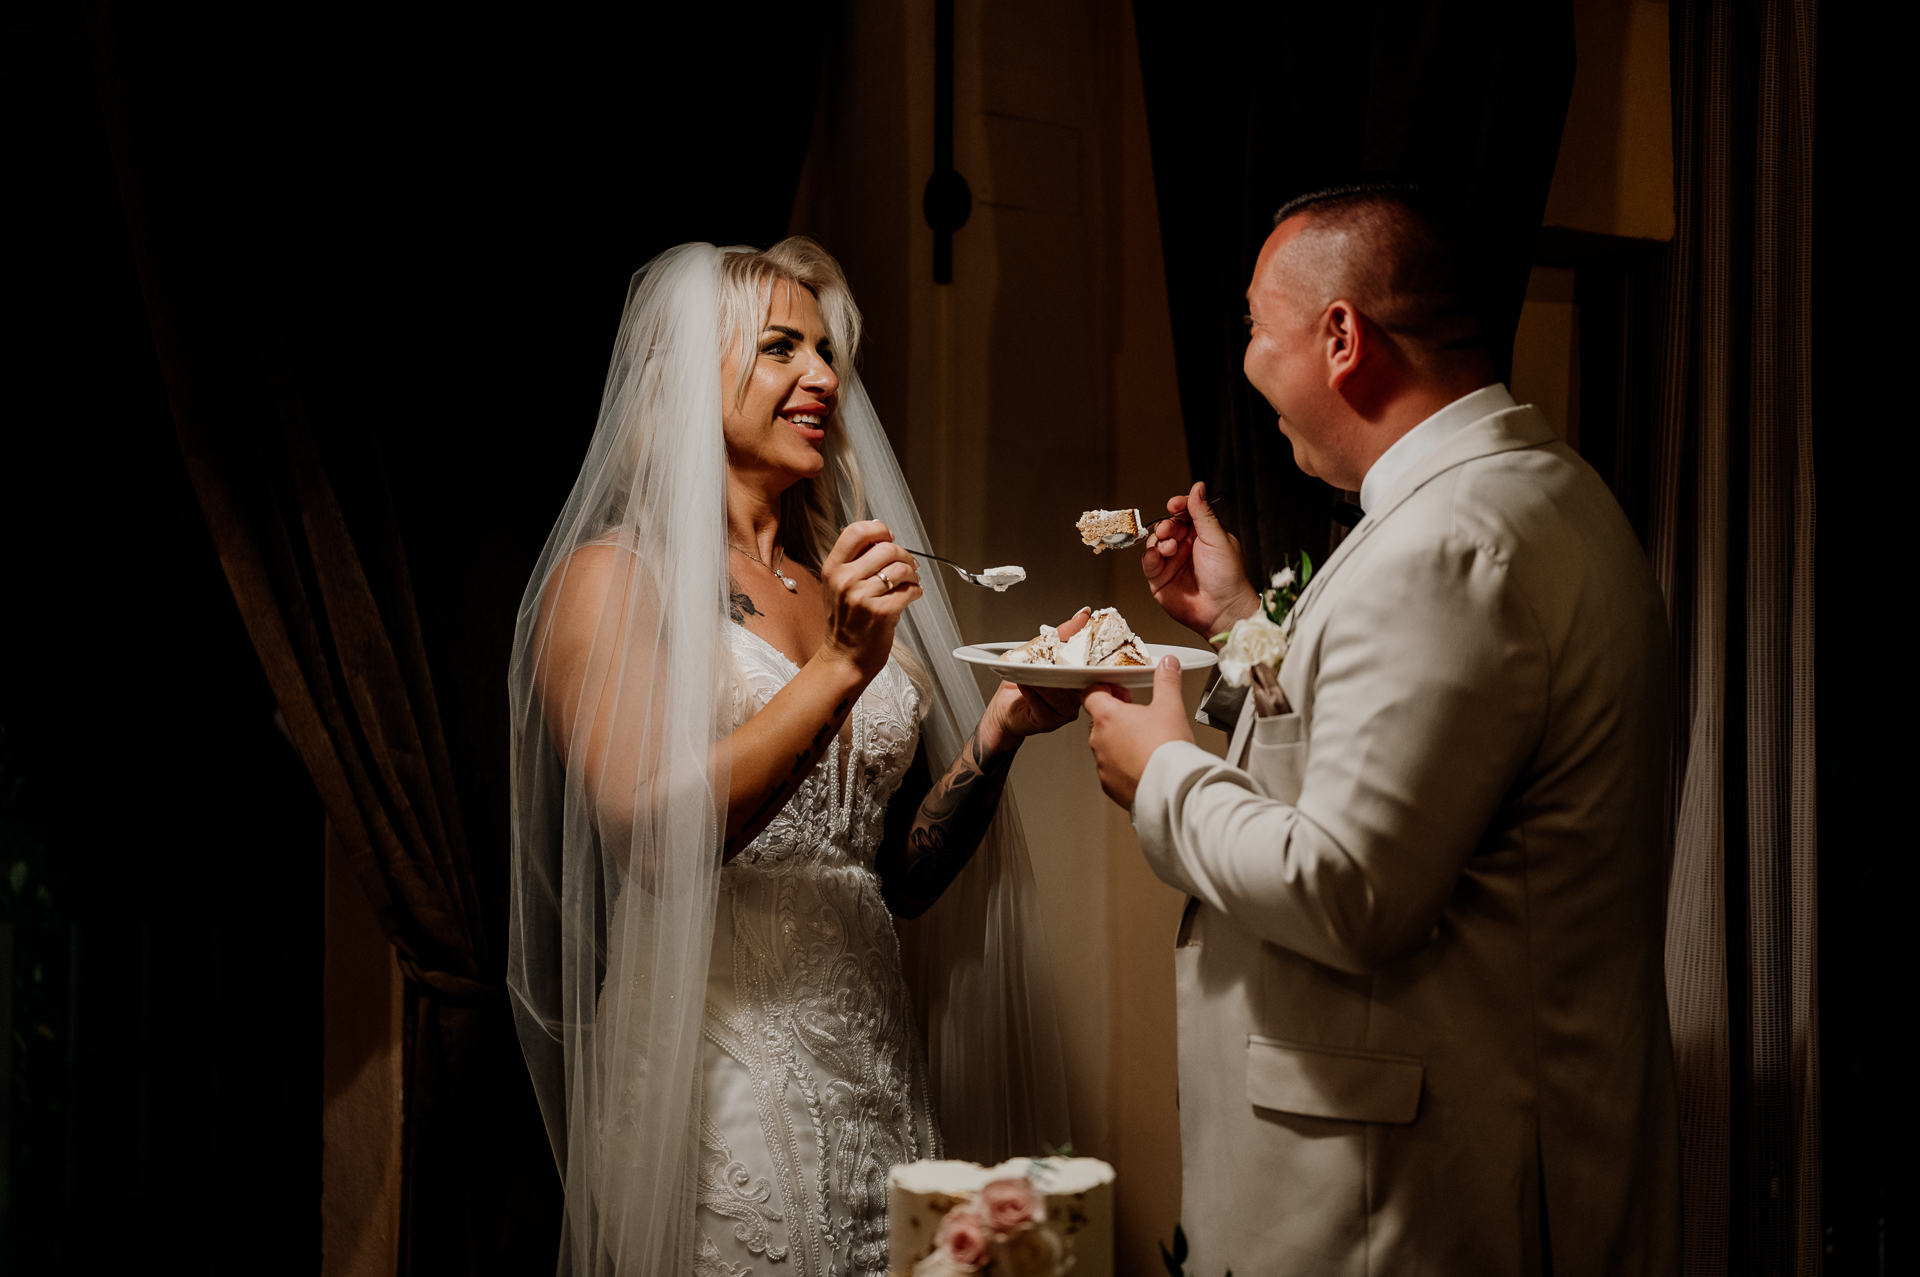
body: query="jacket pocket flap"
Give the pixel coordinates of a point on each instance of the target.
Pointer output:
(1277, 729)
(1333, 1082)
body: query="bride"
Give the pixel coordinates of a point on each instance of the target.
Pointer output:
(737, 758)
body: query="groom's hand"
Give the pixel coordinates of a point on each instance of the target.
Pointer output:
(1195, 570)
(1125, 735)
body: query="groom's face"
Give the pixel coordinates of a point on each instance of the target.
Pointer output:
(1285, 360)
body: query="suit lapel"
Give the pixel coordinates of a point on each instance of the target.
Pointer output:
(1237, 747)
(1503, 431)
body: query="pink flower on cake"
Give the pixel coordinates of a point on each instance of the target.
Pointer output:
(964, 1237)
(1009, 1204)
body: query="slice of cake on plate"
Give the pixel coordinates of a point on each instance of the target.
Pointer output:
(1111, 641)
(1038, 650)
(1105, 640)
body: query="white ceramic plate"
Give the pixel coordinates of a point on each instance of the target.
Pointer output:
(988, 655)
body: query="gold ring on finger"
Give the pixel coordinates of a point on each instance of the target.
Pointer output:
(889, 581)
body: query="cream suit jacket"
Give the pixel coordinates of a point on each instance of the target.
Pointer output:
(1423, 1020)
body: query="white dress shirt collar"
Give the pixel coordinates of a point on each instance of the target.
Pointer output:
(1412, 447)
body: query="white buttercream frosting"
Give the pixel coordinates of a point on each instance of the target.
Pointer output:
(1074, 650)
(1049, 1174)
(1000, 578)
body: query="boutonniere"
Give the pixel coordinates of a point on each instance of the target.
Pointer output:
(1261, 639)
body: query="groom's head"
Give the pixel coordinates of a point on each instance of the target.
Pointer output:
(1363, 322)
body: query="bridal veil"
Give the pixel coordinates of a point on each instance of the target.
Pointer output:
(616, 841)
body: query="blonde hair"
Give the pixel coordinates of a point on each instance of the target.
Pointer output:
(812, 511)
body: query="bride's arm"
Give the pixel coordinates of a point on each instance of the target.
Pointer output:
(919, 858)
(773, 751)
(929, 841)
(776, 749)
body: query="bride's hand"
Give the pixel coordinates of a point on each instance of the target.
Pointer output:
(1018, 711)
(868, 582)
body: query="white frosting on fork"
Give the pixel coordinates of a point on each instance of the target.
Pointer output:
(1000, 578)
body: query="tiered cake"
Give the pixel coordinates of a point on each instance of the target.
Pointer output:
(1030, 1217)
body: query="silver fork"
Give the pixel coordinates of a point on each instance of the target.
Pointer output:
(992, 579)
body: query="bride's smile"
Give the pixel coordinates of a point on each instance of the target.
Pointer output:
(720, 754)
(776, 416)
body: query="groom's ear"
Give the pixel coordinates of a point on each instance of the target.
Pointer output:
(1344, 339)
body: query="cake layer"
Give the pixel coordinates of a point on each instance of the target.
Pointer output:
(1110, 529)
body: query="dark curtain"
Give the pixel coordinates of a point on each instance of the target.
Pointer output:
(1701, 358)
(1250, 104)
(382, 257)
(160, 1036)
(1696, 382)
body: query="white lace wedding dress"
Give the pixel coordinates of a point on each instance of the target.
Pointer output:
(813, 1082)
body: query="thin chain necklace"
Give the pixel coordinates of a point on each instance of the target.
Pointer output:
(792, 585)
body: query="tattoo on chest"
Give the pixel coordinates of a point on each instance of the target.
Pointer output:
(740, 605)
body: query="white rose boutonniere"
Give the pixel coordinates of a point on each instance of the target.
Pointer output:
(1261, 639)
(1256, 640)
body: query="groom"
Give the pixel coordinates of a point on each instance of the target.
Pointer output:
(1422, 1012)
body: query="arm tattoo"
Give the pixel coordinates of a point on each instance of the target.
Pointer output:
(784, 787)
(947, 828)
(740, 605)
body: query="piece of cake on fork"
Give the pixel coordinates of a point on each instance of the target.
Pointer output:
(1110, 529)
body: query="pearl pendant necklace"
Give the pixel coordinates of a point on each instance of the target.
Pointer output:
(792, 585)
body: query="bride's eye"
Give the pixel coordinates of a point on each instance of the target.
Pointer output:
(783, 347)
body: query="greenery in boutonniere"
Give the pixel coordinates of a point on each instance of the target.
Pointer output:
(1261, 639)
(1176, 1259)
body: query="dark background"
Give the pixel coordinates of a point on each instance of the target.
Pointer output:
(1861, 440)
(436, 219)
(445, 214)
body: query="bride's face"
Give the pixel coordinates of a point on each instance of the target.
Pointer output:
(777, 429)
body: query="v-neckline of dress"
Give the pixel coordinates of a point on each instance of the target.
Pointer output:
(768, 644)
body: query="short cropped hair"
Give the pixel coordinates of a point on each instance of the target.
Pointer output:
(1387, 248)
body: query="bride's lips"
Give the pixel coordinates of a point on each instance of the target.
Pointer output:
(813, 430)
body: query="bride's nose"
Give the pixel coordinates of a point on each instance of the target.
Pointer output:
(820, 377)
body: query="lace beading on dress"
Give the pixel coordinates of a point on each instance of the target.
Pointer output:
(814, 1086)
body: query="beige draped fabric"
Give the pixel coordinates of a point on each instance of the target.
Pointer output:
(1730, 530)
